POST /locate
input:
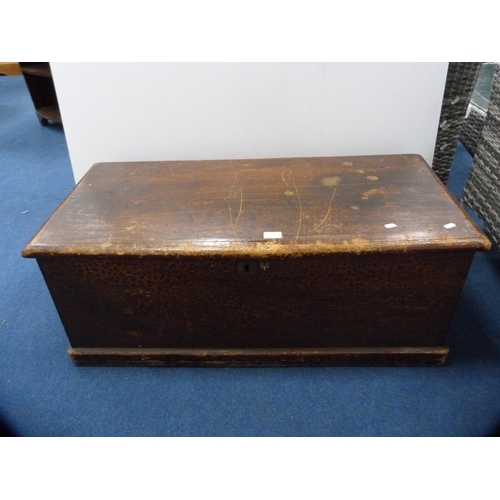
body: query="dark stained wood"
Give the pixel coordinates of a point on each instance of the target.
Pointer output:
(220, 208)
(38, 69)
(171, 256)
(51, 113)
(38, 78)
(338, 300)
(260, 357)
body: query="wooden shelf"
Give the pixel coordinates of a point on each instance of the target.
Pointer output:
(50, 113)
(38, 78)
(10, 69)
(38, 69)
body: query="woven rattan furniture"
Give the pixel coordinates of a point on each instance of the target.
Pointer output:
(482, 189)
(472, 128)
(478, 107)
(460, 82)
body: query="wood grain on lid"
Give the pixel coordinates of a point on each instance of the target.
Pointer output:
(320, 205)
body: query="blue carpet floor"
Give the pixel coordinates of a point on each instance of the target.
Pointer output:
(43, 394)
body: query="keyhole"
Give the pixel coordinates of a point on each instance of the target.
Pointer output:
(248, 268)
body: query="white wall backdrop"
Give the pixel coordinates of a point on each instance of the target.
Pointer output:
(180, 111)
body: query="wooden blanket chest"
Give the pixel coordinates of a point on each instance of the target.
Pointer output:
(293, 261)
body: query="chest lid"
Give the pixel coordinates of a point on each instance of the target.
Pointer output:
(258, 208)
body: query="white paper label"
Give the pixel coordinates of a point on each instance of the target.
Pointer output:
(450, 225)
(390, 226)
(270, 235)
